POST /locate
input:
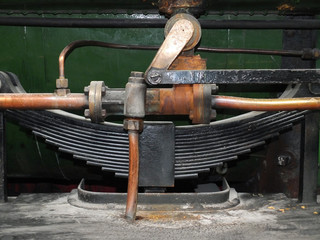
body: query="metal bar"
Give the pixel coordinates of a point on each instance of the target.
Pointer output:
(133, 179)
(244, 76)
(156, 23)
(310, 155)
(42, 101)
(279, 104)
(3, 172)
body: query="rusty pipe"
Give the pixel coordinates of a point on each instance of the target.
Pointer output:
(133, 178)
(279, 104)
(169, 101)
(39, 101)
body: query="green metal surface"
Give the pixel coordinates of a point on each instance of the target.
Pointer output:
(32, 54)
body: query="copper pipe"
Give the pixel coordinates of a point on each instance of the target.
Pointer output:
(39, 101)
(133, 179)
(85, 43)
(279, 104)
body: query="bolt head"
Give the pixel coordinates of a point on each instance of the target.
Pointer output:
(87, 113)
(154, 77)
(214, 88)
(283, 160)
(103, 113)
(213, 114)
(86, 90)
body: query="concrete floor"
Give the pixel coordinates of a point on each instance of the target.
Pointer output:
(50, 216)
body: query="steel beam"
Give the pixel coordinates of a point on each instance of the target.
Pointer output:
(244, 76)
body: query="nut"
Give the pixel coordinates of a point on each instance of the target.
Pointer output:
(136, 74)
(283, 160)
(103, 113)
(133, 124)
(62, 83)
(86, 90)
(103, 90)
(62, 91)
(214, 88)
(213, 114)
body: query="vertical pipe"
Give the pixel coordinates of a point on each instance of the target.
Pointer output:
(133, 179)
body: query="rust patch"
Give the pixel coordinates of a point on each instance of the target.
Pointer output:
(169, 6)
(285, 7)
(189, 63)
(168, 216)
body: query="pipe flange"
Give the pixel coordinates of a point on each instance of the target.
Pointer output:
(95, 91)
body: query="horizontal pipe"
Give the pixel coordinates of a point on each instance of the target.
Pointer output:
(38, 101)
(279, 104)
(261, 24)
(157, 23)
(291, 53)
